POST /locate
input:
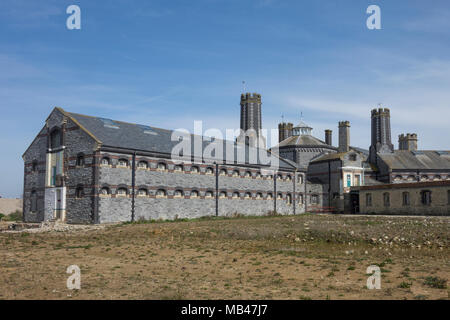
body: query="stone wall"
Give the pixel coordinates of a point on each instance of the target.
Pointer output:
(440, 199)
(116, 207)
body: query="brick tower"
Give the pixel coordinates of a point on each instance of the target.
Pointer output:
(251, 123)
(381, 133)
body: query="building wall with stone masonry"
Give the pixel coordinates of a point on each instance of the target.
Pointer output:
(118, 208)
(35, 180)
(440, 199)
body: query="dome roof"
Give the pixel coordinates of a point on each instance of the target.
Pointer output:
(302, 140)
(302, 124)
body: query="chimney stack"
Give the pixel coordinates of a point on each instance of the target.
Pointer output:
(284, 131)
(329, 137)
(407, 142)
(344, 136)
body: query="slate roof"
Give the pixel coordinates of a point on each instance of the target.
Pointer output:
(124, 135)
(417, 160)
(302, 140)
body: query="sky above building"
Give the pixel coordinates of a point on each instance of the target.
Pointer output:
(167, 63)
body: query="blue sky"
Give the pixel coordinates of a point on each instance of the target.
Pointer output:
(168, 63)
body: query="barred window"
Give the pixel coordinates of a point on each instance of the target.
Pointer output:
(194, 194)
(195, 169)
(105, 161)
(314, 199)
(143, 164)
(122, 192)
(161, 193)
(123, 163)
(142, 192)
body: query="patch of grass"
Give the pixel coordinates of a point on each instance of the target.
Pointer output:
(405, 285)
(351, 268)
(15, 216)
(435, 282)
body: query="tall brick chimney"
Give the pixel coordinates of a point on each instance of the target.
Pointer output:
(329, 137)
(407, 142)
(344, 136)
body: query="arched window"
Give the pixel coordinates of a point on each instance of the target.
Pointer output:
(55, 138)
(288, 178)
(209, 170)
(248, 195)
(178, 193)
(162, 166)
(195, 169)
(161, 193)
(122, 192)
(223, 194)
(105, 191)
(248, 174)
(143, 164)
(269, 196)
(142, 192)
(105, 161)
(258, 175)
(178, 168)
(398, 178)
(33, 199)
(411, 178)
(223, 172)
(194, 194)
(34, 166)
(424, 177)
(80, 160)
(300, 199)
(300, 179)
(280, 196)
(259, 196)
(289, 199)
(236, 195)
(279, 177)
(122, 163)
(79, 192)
(386, 199)
(236, 173)
(437, 177)
(209, 194)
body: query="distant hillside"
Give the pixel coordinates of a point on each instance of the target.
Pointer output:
(8, 206)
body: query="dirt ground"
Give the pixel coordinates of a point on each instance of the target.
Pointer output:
(290, 257)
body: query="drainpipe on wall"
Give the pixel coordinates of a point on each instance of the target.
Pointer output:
(133, 185)
(329, 184)
(217, 189)
(306, 195)
(274, 192)
(293, 196)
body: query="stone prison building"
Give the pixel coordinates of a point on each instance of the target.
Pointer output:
(85, 169)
